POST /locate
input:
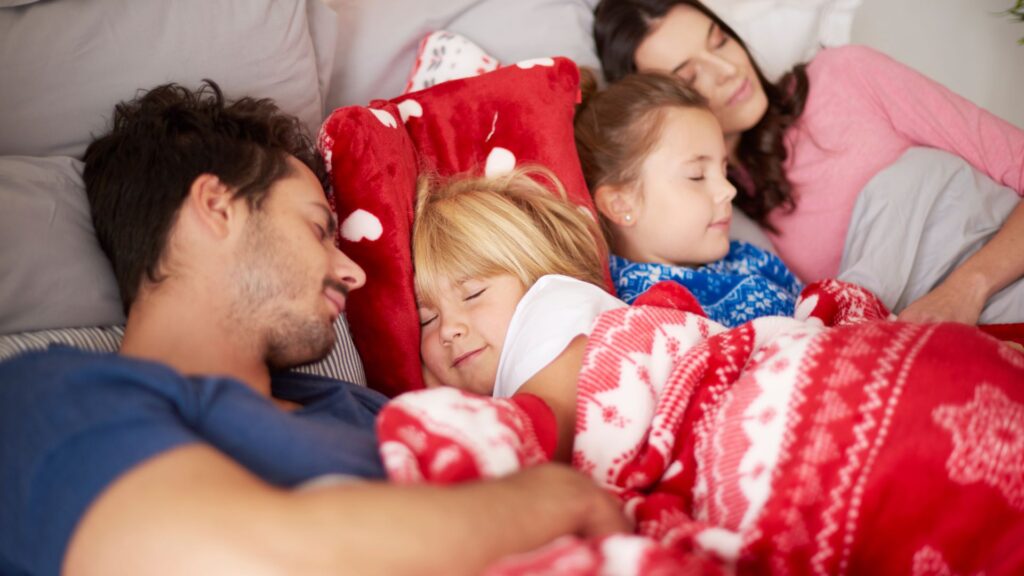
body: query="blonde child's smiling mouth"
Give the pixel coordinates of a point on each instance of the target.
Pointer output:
(466, 357)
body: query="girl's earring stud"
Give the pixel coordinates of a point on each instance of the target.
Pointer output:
(628, 217)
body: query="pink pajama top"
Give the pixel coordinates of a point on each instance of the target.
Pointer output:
(863, 111)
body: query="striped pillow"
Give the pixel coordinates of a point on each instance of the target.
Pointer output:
(342, 363)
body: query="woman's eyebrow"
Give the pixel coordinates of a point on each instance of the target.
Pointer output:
(711, 29)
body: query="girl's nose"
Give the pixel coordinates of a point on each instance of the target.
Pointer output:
(451, 328)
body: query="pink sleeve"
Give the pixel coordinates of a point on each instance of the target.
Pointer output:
(929, 114)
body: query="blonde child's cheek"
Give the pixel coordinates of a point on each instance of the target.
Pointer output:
(429, 380)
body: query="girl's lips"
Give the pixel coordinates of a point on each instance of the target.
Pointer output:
(724, 223)
(740, 94)
(465, 357)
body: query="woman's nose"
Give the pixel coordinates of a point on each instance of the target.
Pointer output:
(723, 67)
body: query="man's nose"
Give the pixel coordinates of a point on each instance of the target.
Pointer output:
(346, 271)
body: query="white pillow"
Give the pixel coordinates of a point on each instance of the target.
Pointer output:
(65, 63)
(783, 33)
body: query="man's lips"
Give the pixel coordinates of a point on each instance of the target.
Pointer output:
(336, 299)
(740, 93)
(464, 357)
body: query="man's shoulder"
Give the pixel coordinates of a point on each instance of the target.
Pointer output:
(60, 372)
(54, 361)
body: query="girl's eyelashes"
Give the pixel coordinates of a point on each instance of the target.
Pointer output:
(425, 322)
(474, 295)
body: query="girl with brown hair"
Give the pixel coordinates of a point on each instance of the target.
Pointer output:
(800, 150)
(653, 156)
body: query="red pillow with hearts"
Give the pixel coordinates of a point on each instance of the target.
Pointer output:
(372, 166)
(487, 124)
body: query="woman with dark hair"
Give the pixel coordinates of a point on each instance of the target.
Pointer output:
(801, 149)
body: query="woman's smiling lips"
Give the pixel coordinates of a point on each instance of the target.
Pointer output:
(467, 356)
(740, 94)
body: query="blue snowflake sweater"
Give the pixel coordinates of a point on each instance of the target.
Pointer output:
(748, 283)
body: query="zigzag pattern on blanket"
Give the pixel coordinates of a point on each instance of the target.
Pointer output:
(785, 445)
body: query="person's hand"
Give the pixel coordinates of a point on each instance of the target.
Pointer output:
(948, 302)
(563, 491)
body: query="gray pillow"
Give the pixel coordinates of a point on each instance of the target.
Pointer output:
(381, 37)
(342, 363)
(54, 272)
(66, 63)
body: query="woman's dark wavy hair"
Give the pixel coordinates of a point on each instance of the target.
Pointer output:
(619, 28)
(138, 175)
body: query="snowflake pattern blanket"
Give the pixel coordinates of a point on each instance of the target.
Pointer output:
(835, 443)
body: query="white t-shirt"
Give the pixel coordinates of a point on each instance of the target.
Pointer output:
(554, 311)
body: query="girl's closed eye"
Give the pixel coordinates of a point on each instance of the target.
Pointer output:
(474, 295)
(426, 317)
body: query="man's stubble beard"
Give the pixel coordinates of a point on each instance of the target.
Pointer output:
(268, 283)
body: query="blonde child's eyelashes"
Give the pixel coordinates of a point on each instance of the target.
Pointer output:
(474, 295)
(426, 316)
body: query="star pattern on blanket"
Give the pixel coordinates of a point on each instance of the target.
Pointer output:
(988, 442)
(930, 562)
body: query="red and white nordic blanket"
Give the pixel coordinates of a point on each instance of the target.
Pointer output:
(840, 443)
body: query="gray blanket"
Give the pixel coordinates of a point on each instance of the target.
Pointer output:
(919, 219)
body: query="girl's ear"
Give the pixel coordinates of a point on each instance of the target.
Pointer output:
(617, 204)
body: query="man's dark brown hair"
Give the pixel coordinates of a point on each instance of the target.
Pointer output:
(138, 175)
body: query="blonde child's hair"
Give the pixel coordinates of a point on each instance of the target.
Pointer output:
(473, 227)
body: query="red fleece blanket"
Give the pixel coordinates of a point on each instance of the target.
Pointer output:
(836, 443)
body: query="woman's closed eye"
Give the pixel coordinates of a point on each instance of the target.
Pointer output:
(718, 37)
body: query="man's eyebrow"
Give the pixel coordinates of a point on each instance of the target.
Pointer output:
(332, 221)
(711, 29)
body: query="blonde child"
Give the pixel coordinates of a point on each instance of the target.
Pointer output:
(509, 279)
(722, 443)
(654, 158)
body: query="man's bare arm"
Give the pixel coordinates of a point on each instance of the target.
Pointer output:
(194, 511)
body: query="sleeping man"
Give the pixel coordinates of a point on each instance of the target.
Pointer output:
(190, 451)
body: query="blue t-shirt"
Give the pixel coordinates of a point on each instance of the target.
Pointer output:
(71, 422)
(748, 283)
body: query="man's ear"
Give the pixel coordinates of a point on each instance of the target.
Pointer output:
(211, 203)
(618, 204)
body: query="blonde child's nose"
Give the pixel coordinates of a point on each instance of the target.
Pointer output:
(451, 328)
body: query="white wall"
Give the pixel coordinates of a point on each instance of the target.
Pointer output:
(965, 44)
